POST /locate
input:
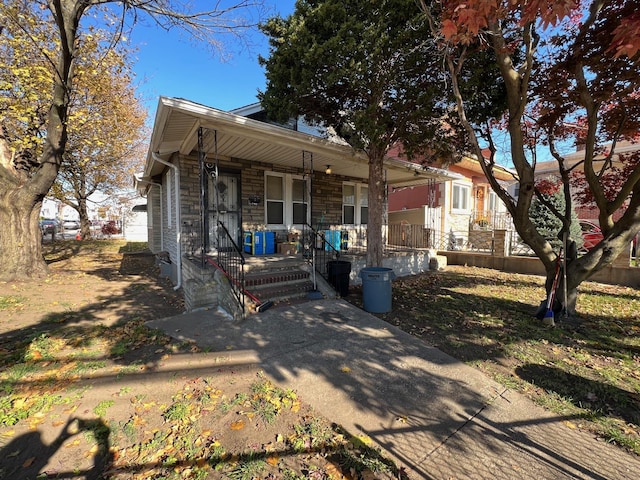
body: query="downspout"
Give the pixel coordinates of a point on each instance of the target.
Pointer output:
(176, 177)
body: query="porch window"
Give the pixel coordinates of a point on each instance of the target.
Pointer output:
(364, 205)
(286, 199)
(275, 199)
(299, 201)
(355, 204)
(493, 202)
(460, 197)
(348, 204)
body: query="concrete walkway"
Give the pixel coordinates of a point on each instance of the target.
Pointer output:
(434, 415)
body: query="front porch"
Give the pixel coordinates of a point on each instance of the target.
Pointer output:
(284, 277)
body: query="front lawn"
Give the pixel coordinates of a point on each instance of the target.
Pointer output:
(586, 368)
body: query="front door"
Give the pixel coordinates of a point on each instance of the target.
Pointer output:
(224, 206)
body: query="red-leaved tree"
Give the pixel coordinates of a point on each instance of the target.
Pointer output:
(570, 69)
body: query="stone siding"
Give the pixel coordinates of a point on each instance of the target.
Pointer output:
(198, 285)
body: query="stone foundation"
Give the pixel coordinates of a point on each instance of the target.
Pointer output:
(199, 286)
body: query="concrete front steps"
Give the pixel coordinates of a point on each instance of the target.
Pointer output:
(279, 285)
(282, 278)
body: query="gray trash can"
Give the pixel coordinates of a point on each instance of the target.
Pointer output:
(338, 272)
(376, 289)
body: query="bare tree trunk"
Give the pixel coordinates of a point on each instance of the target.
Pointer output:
(85, 223)
(376, 205)
(20, 236)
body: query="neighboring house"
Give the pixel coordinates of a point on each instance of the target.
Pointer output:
(453, 207)
(574, 161)
(212, 177)
(53, 208)
(135, 223)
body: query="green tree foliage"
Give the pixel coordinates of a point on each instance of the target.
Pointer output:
(371, 72)
(544, 214)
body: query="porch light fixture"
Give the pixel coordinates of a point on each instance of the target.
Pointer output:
(254, 200)
(328, 170)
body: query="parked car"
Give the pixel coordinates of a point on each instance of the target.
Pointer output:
(110, 228)
(71, 225)
(591, 234)
(49, 226)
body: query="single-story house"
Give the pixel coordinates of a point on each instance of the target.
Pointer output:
(229, 190)
(454, 210)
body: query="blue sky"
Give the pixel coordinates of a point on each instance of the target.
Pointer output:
(171, 65)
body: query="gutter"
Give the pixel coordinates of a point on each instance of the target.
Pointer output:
(176, 178)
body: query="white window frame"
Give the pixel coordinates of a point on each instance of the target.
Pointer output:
(457, 194)
(493, 201)
(290, 179)
(363, 201)
(287, 200)
(360, 200)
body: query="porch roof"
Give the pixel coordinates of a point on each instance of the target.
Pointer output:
(176, 130)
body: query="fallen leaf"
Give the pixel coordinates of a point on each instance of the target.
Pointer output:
(273, 460)
(345, 369)
(28, 462)
(359, 440)
(333, 471)
(239, 425)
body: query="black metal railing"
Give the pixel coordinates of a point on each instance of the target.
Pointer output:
(231, 259)
(319, 250)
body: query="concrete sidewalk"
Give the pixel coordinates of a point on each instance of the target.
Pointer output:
(432, 414)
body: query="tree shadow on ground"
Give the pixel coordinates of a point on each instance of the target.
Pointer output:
(450, 311)
(596, 395)
(140, 296)
(413, 398)
(62, 250)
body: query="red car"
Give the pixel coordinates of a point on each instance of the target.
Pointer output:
(591, 235)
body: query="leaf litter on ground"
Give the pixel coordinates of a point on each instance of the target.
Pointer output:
(87, 389)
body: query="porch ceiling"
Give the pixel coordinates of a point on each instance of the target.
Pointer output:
(176, 130)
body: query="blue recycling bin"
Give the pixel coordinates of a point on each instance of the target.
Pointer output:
(259, 243)
(376, 289)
